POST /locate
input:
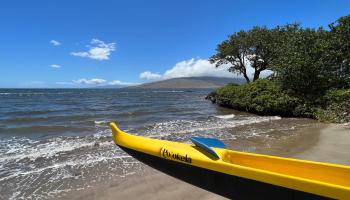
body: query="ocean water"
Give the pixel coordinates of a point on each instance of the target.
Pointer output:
(55, 141)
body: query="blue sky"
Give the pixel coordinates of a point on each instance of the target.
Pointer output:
(83, 43)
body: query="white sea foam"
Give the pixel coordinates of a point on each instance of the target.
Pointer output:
(24, 93)
(230, 116)
(100, 122)
(103, 133)
(209, 128)
(167, 91)
(58, 177)
(46, 150)
(16, 149)
(78, 162)
(55, 163)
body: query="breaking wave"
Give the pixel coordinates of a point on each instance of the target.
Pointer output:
(230, 116)
(182, 129)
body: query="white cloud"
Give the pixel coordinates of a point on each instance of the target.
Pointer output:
(55, 66)
(195, 68)
(80, 54)
(64, 83)
(98, 50)
(117, 82)
(189, 68)
(93, 81)
(147, 75)
(96, 81)
(55, 42)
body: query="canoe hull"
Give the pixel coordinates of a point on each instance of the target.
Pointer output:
(226, 185)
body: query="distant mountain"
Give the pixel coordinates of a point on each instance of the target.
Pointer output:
(191, 82)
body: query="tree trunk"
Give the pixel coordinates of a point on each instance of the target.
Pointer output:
(246, 77)
(256, 75)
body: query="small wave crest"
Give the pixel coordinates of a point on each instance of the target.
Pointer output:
(230, 116)
(167, 91)
(178, 129)
(99, 122)
(22, 93)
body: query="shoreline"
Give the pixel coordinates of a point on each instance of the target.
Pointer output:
(321, 142)
(333, 146)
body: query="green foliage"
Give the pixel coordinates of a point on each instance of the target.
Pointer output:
(306, 109)
(266, 97)
(262, 97)
(339, 52)
(242, 49)
(336, 96)
(301, 65)
(311, 61)
(335, 106)
(311, 71)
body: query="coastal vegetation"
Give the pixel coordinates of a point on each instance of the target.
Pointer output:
(309, 71)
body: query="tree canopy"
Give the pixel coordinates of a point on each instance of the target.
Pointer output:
(310, 71)
(242, 49)
(339, 56)
(301, 63)
(304, 61)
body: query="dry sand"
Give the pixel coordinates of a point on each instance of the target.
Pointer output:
(330, 143)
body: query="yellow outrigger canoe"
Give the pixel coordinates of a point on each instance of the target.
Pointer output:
(238, 175)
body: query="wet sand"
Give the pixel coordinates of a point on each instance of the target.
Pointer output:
(150, 184)
(333, 146)
(326, 143)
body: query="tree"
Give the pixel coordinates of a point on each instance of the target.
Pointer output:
(233, 51)
(263, 49)
(339, 56)
(242, 49)
(309, 61)
(301, 63)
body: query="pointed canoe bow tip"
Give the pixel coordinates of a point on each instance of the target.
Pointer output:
(115, 130)
(115, 127)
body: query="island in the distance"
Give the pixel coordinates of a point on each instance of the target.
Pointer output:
(191, 82)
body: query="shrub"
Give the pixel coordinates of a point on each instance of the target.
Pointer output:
(335, 106)
(262, 97)
(265, 97)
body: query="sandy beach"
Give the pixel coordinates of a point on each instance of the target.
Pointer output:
(326, 143)
(333, 146)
